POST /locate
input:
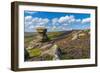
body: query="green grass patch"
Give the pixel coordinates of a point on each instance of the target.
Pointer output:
(36, 52)
(87, 30)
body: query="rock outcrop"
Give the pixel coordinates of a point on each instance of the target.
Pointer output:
(48, 48)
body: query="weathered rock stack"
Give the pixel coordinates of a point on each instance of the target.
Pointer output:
(40, 40)
(42, 36)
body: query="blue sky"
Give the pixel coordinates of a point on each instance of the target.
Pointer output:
(55, 21)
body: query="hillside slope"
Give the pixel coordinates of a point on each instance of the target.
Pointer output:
(73, 44)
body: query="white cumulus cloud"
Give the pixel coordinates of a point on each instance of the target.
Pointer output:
(54, 20)
(63, 19)
(28, 18)
(31, 22)
(86, 20)
(66, 19)
(40, 21)
(54, 23)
